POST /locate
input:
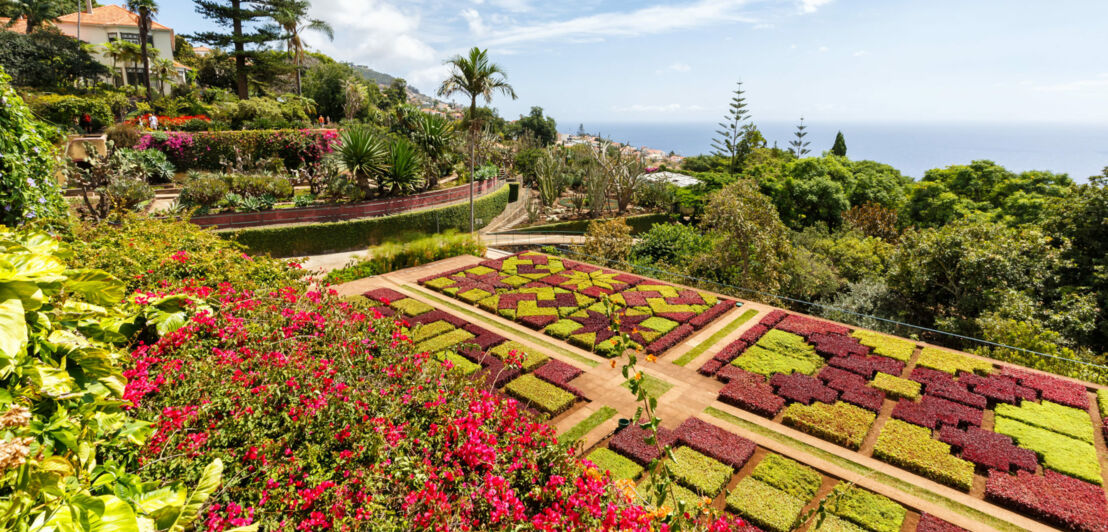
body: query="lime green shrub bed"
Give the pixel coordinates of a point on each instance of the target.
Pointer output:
(780, 352)
(766, 506)
(951, 362)
(841, 423)
(680, 493)
(911, 447)
(411, 307)
(1102, 400)
(1064, 420)
(700, 473)
(885, 345)
(867, 509)
(834, 523)
(1061, 453)
(461, 364)
(789, 476)
(540, 394)
(430, 330)
(443, 341)
(621, 468)
(529, 357)
(895, 386)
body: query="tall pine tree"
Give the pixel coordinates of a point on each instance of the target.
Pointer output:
(799, 145)
(242, 17)
(729, 140)
(840, 145)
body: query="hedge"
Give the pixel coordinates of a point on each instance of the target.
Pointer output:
(210, 150)
(834, 523)
(951, 362)
(700, 473)
(911, 447)
(540, 394)
(869, 510)
(789, 476)
(529, 359)
(764, 505)
(779, 352)
(315, 239)
(1060, 453)
(444, 341)
(411, 307)
(841, 423)
(896, 387)
(66, 110)
(461, 364)
(1102, 401)
(424, 332)
(1051, 416)
(1053, 497)
(620, 467)
(639, 224)
(885, 345)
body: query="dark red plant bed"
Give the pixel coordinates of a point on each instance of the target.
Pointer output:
(715, 442)
(1053, 497)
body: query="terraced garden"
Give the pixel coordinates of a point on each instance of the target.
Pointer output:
(1003, 436)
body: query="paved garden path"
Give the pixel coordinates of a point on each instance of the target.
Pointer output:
(691, 394)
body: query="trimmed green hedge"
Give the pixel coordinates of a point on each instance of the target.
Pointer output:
(841, 423)
(766, 506)
(789, 476)
(621, 468)
(896, 387)
(1102, 400)
(780, 352)
(315, 239)
(885, 345)
(540, 394)
(951, 362)
(424, 332)
(911, 447)
(834, 523)
(869, 510)
(1065, 420)
(1061, 453)
(530, 359)
(444, 341)
(411, 307)
(702, 474)
(639, 224)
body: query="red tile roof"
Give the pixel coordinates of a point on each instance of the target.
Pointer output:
(108, 15)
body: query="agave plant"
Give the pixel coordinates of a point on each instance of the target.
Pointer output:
(402, 174)
(435, 137)
(364, 154)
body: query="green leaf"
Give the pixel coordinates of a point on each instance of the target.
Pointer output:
(13, 330)
(96, 286)
(51, 381)
(163, 504)
(137, 431)
(94, 514)
(209, 481)
(247, 528)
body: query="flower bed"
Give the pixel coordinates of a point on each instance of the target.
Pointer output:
(951, 362)
(933, 412)
(930, 523)
(1051, 416)
(997, 388)
(801, 388)
(540, 394)
(700, 473)
(766, 506)
(841, 423)
(620, 467)
(1058, 452)
(208, 150)
(789, 476)
(751, 392)
(1052, 388)
(868, 365)
(714, 442)
(941, 384)
(885, 345)
(1052, 497)
(631, 442)
(779, 352)
(872, 511)
(896, 387)
(989, 449)
(528, 358)
(911, 447)
(559, 373)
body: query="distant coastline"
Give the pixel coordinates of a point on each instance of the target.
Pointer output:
(1079, 150)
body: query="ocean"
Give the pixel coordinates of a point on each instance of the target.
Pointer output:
(1080, 150)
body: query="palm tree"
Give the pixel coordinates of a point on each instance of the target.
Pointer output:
(163, 71)
(115, 51)
(146, 10)
(292, 17)
(131, 54)
(36, 12)
(434, 135)
(474, 76)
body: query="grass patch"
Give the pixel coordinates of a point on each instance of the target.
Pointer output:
(715, 338)
(495, 324)
(654, 386)
(609, 460)
(854, 467)
(594, 420)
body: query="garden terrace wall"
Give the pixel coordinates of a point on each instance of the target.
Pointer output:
(335, 213)
(349, 235)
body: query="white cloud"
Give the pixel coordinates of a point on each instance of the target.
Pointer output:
(861, 53)
(764, 26)
(823, 49)
(680, 67)
(649, 20)
(811, 6)
(473, 19)
(1097, 84)
(373, 32)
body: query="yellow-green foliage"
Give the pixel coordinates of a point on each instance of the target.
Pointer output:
(700, 473)
(692, 501)
(531, 358)
(461, 364)
(780, 352)
(540, 394)
(841, 423)
(1061, 453)
(411, 307)
(411, 251)
(430, 330)
(789, 476)
(867, 509)
(885, 345)
(951, 362)
(1102, 400)
(896, 386)
(443, 341)
(834, 523)
(767, 507)
(621, 468)
(1065, 420)
(911, 447)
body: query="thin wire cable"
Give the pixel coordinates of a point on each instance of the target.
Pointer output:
(635, 267)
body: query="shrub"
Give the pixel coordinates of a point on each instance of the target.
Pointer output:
(631, 442)
(941, 384)
(885, 345)
(752, 392)
(1052, 388)
(671, 339)
(558, 372)
(540, 394)
(789, 476)
(459, 363)
(124, 135)
(1102, 402)
(802, 388)
(67, 111)
(1058, 452)
(715, 442)
(833, 523)
(1051, 416)
(153, 164)
(830, 345)
(779, 352)
(933, 412)
(997, 388)
(867, 365)
(204, 190)
(805, 326)
(28, 188)
(852, 388)
(764, 505)
(410, 307)
(930, 523)
(215, 150)
(911, 447)
(1052, 497)
(442, 342)
(620, 467)
(259, 185)
(127, 194)
(700, 473)
(429, 330)
(989, 449)
(529, 359)
(951, 362)
(840, 423)
(896, 387)
(408, 252)
(867, 509)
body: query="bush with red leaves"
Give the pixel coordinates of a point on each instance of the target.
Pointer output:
(830, 345)
(711, 314)
(438, 315)
(933, 412)
(1053, 497)
(805, 326)
(773, 318)
(559, 374)
(731, 351)
(1052, 389)
(989, 449)
(852, 387)
(941, 384)
(715, 442)
(802, 388)
(751, 392)
(384, 294)
(728, 373)
(868, 365)
(998, 388)
(631, 442)
(710, 368)
(930, 523)
(752, 334)
(671, 339)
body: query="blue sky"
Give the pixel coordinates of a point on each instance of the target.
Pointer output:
(999, 61)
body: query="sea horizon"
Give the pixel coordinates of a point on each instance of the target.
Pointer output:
(1079, 150)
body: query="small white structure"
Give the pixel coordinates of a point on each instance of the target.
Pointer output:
(674, 178)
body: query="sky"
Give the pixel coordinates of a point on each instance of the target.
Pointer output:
(986, 61)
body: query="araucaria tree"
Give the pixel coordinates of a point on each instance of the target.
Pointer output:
(239, 16)
(729, 140)
(799, 145)
(839, 148)
(474, 75)
(146, 11)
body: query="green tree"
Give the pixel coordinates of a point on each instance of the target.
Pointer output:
(542, 128)
(608, 239)
(799, 145)
(117, 52)
(28, 188)
(931, 204)
(292, 20)
(242, 18)
(750, 245)
(47, 59)
(839, 148)
(146, 10)
(729, 137)
(325, 83)
(434, 135)
(671, 246)
(35, 12)
(475, 76)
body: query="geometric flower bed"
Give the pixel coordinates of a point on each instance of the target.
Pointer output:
(531, 377)
(562, 298)
(1058, 499)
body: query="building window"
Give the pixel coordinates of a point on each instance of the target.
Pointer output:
(134, 38)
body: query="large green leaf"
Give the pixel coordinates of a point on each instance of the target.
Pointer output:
(96, 286)
(209, 481)
(106, 513)
(13, 330)
(31, 267)
(53, 382)
(163, 504)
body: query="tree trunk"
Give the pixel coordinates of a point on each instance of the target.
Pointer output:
(299, 89)
(240, 51)
(472, 160)
(144, 30)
